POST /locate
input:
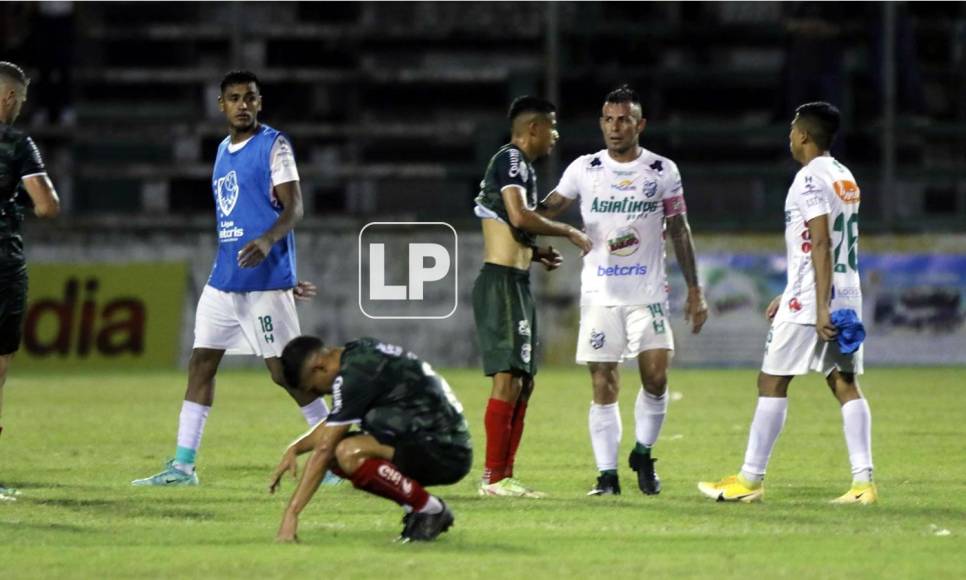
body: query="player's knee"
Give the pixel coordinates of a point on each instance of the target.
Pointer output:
(772, 386)
(844, 387)
(202, 366)
(506, 387)
(656, 384)
(526, 387)
(349, 456)
(605, 382)
(605, 391)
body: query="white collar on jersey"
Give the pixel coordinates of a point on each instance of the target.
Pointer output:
(234, 147)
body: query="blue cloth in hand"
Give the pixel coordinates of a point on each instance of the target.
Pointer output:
(851, 331)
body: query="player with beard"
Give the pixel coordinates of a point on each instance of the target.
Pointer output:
(629, 197)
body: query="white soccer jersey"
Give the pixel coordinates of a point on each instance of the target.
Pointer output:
(623, 206)
(823, 187)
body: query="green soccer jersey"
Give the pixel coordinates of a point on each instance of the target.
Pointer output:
(19, 158)
(394, 396)
(508, 167)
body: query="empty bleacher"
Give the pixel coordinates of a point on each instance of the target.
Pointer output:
(394, 108)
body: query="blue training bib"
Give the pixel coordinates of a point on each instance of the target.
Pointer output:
(246, 208)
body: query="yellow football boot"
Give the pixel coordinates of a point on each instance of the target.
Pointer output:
(865, 493)
(733, 488)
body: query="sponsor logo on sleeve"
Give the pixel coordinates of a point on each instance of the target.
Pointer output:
(517, 165)
(847, 191)
(595, 163)
(336, 395)
(658, 166)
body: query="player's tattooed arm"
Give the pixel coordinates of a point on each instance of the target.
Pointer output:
(290, 196)
(695, 307)
(554, 205)
(329, 436)
(529, 220)
(822, 263)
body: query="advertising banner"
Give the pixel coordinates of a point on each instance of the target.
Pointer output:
(100, 315)
(913, 308)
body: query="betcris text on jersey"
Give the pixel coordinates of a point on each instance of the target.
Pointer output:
(620, 271)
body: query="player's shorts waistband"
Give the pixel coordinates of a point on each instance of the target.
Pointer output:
(506, 271)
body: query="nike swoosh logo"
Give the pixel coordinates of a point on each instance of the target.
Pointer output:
(722, 497)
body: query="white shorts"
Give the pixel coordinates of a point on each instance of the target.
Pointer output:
(796, 349)
(618, 333)
(258, 323)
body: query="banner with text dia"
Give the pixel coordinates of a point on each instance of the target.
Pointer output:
(103, 315)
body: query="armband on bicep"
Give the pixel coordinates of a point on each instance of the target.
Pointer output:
(675, 206)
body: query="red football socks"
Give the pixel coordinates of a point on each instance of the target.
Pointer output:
(379, 477)
(498, 422)
(516, 433)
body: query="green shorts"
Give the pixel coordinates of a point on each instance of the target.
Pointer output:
(506, 320)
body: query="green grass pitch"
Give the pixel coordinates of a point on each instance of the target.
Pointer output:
(73, 442)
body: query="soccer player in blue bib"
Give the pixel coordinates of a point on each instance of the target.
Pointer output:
(248, 304)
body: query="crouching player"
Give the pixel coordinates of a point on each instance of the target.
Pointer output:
(412, 431)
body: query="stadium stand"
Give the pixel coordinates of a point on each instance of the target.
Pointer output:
(394, 107)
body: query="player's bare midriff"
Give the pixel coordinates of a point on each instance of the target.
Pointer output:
(500, 247)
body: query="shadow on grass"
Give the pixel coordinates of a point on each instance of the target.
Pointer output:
(20, 526)
(122, 508)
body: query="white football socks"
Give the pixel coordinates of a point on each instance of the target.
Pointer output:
(433, 506)
(191, 426)
(765, 429)
(605, 434)
(315, 412)
(857, 424)
(649, 413)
